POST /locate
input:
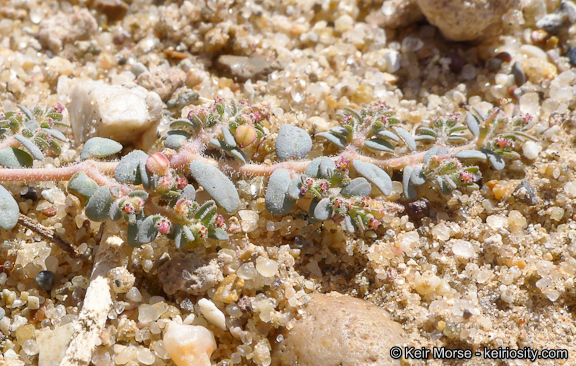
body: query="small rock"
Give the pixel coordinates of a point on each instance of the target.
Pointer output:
(463, 248)
(337, 329)
(571, 54)
(212, 313)
(189, 274)
(162, 81)
(52, 344)
(392, 58)
(245, 68)
(519, 76)
(182, 97)
(466, 20)
(113, 9)
(45, 280)
(122, 113)
(189, 345)
(538, 69)
(150, 313)
(66, 28)
(399, 13)
(531, 149)
(526, 194)
(418, 209)
(551, 23)
(249, 219)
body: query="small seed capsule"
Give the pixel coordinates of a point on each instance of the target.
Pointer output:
(245, 135)
(158, 163)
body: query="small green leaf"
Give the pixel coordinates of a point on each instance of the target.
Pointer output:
(186, 123)
(9, 208)
(322, 210)
(179, 239)
(408, 185)
(277, 200)
(99, 147)
(228, 136)
(30, 146)
(320, 167)
(208, 209)
(216, 184)
(139, 193)
(132, 234)
(98, 207)
(218, 234)
(348, 224)
(82, 186)
(294, 188)
(375, 175)
(417, 177)
(115, 211)
(11, 157)
(471, 154)
(292, 142)
(188, 233)
(357, 187)
(128, 169)
(379, 145)
(234, 151)
(147, 231)
(473, 124)
(337, 140)
(406, 137)
(189, 192)
(174, 141)
(495, 160)
(56, 134)
(387, 135)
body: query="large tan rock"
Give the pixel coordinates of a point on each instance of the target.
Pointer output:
(339, 330)
(119, 112)
(467, 20)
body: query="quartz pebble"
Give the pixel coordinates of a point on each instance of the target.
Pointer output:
(188, 345)
(531, 149)
(337, 329)
(466, 20)
(463, 248)
(122, 113)
(212, 313)
(52, 344)
(149, 313)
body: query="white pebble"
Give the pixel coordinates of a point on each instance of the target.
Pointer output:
(189, 345)
(212, 313)
(463, 248)
(392, 59)
(531, 150)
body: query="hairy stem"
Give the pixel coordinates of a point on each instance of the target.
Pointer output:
(99, 171)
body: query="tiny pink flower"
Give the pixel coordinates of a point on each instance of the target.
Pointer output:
(164, 225)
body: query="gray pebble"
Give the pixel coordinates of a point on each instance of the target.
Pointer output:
(526, 194)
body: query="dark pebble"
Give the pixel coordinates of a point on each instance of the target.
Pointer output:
(571, 54)
(45, 280)
(519, 76)
(417, 210)
(494, 64)
(526, 194)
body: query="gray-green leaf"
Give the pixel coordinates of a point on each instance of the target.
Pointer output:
(337, 140)
(473, 124)
(11, 157)
(471, 154)
(320, 167)
(217, 184)
(30, 146)
(228, 137)
(98, 207)
(9, 208)
(322, 210)
(82, 186)
(375, 175)
(148, 230)
(218, 234)
(406, 137)
(99, 147)
(379, 145)
(495, 160)
(292, 143)
(128, 169)
(357, 187)
(277, 200)
(409, 190)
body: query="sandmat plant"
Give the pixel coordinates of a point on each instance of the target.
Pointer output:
(155, 193)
